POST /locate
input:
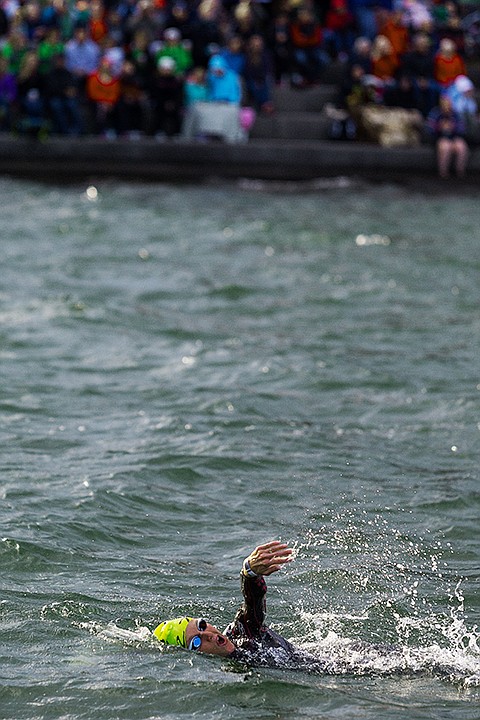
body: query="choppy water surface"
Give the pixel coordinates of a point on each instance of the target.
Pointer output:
(189, 371)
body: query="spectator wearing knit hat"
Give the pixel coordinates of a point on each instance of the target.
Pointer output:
(462, 96)
(167, 98)
(176, 50)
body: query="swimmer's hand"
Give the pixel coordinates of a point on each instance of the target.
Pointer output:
(269, 558)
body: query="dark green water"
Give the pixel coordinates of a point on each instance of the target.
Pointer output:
(190, 371)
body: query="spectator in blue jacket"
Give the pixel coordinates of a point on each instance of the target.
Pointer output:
(223, 84)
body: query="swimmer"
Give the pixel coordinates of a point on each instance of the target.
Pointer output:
(247, 638)
(249, 641)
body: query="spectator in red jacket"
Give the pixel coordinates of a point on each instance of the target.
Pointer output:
(339, 27)
(307, 46)
(103, 91)
(448, 63)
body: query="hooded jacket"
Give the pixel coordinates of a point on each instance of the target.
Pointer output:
(223, 84)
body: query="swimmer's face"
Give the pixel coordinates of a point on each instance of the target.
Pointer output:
(212, 640)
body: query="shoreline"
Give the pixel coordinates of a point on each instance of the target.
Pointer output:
(148, 159)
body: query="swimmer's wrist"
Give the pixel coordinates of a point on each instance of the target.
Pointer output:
(247, 570)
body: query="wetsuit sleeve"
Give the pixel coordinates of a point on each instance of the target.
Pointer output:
(250, 617)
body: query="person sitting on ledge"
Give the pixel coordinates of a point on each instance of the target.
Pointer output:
(448, 131)
(247, 638)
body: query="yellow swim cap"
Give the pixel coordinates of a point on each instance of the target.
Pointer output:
(172, 632)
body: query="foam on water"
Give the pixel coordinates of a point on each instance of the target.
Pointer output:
(413, 610)
(343, 655)
(112, 632)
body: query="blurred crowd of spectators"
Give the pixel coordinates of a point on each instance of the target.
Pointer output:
(132, 67)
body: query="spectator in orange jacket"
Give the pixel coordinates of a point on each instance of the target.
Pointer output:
(385, 62)
(396, 31)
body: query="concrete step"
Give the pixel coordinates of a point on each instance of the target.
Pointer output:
(309, 99)
(291, 126)
(335, 73)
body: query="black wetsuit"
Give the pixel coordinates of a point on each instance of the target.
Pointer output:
(255, 643)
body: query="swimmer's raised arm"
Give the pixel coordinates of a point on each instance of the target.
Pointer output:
(249, 622)
(267, 559)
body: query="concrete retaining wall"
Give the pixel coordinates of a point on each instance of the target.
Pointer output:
(64, 159)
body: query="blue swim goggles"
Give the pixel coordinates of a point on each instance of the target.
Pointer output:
(196, 642)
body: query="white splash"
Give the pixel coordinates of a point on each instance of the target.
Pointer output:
(402, 590)
(111, 632)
